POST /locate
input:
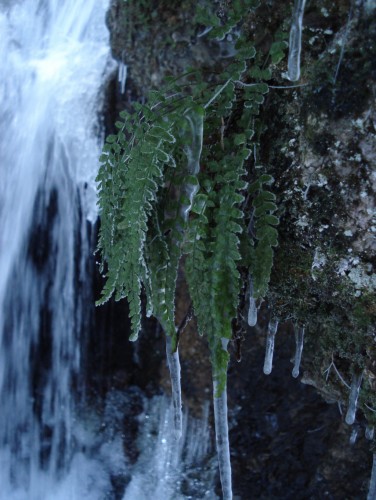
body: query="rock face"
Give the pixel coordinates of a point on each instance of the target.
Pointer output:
(319, 143)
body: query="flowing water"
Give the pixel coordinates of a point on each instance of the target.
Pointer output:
(54, 61)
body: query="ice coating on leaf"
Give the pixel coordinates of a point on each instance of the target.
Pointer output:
(269, 351)
(372, 483)
(174, 368)
(353, 398)
(193, 153)
(299, 340)
(370, 432)
(222, 440)
(252, 308)
(295, 41)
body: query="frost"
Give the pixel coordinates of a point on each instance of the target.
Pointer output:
(353, 398)
(270, 337)
(299, 339)
(295, 42)
(174, 368)
(362, 279)
(372, 483)
(222, 440)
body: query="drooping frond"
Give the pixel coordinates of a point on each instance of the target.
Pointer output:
(128, 189)
(265, 235)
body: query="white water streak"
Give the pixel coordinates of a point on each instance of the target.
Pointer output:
(54, 57)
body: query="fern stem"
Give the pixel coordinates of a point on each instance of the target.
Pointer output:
(219, 91)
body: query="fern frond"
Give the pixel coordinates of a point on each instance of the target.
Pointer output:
(212, 264)
(126, 205)
(265, 235)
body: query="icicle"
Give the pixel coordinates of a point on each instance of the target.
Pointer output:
(372, 483)
(295, 42)
(252, 311)
(122, 76)
(270, 336)
(299, 340)
(174, 367)
(222, 440)
(370, 432)
(353, 437)
(353, 398)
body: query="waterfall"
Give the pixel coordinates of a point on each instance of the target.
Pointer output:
(54, 60)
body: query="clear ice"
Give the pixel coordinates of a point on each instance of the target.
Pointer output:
(353, 398)
(193, 154)
(174, 368)
(252, 308)
(370, 432)
(299, 340)
(354, 436)
(122, 76)
(270, 337)
(222, 440)
(295, 42)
